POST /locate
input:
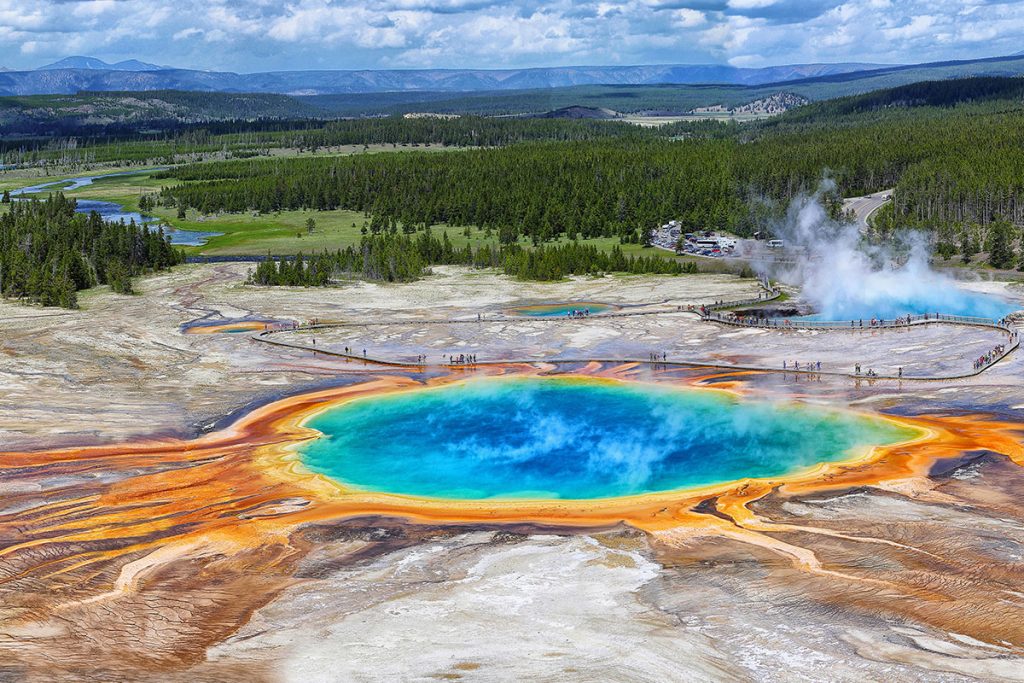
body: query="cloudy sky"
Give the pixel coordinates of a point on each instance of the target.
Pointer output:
(263, 35)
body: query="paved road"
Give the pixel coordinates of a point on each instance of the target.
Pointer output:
(864, 206)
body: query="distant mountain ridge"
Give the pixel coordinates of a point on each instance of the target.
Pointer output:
(90, 97)
(93, 75)
(93, 64)
(76, 74)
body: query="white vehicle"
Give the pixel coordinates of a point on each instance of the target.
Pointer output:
(707, 244)
(775, 244)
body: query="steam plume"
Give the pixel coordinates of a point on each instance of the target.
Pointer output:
(843, 277)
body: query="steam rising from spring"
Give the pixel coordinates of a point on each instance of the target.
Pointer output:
(845, 278)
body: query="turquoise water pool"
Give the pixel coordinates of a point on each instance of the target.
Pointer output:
(560, 310)
(574, 438)
(941, 297)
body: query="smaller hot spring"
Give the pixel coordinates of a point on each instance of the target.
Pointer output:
(935, 295)
(562, 310)
(228, 326)
(575, 438)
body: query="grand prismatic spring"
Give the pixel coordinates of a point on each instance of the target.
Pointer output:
(574, 438)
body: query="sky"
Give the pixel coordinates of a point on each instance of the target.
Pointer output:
(268, 35)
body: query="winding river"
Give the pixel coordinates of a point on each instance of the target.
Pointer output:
(112, 211)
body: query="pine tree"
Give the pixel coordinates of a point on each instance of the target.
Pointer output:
(1000, 247)
(968, 247)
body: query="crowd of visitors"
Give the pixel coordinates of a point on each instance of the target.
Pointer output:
(990, 357)
(807, 367)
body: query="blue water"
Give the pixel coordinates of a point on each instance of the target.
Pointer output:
(560, 310)
(573, 438)
(948, 300)
(114, 212)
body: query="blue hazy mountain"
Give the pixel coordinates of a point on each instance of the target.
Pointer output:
(75, 74)
(93, 64)
(78, 74)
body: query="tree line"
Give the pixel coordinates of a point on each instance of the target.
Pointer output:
(170, 141)
(48, 252)
(395, 257)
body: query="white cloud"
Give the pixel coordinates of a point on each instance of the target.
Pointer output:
(751, 4)
(186, 33)
(917, 26)
(689, 18)
(255, 35)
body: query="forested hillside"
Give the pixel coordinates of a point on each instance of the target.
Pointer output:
(538, 189)
(953, 151)
(923, 94)
(85, 112)
(48, 252)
